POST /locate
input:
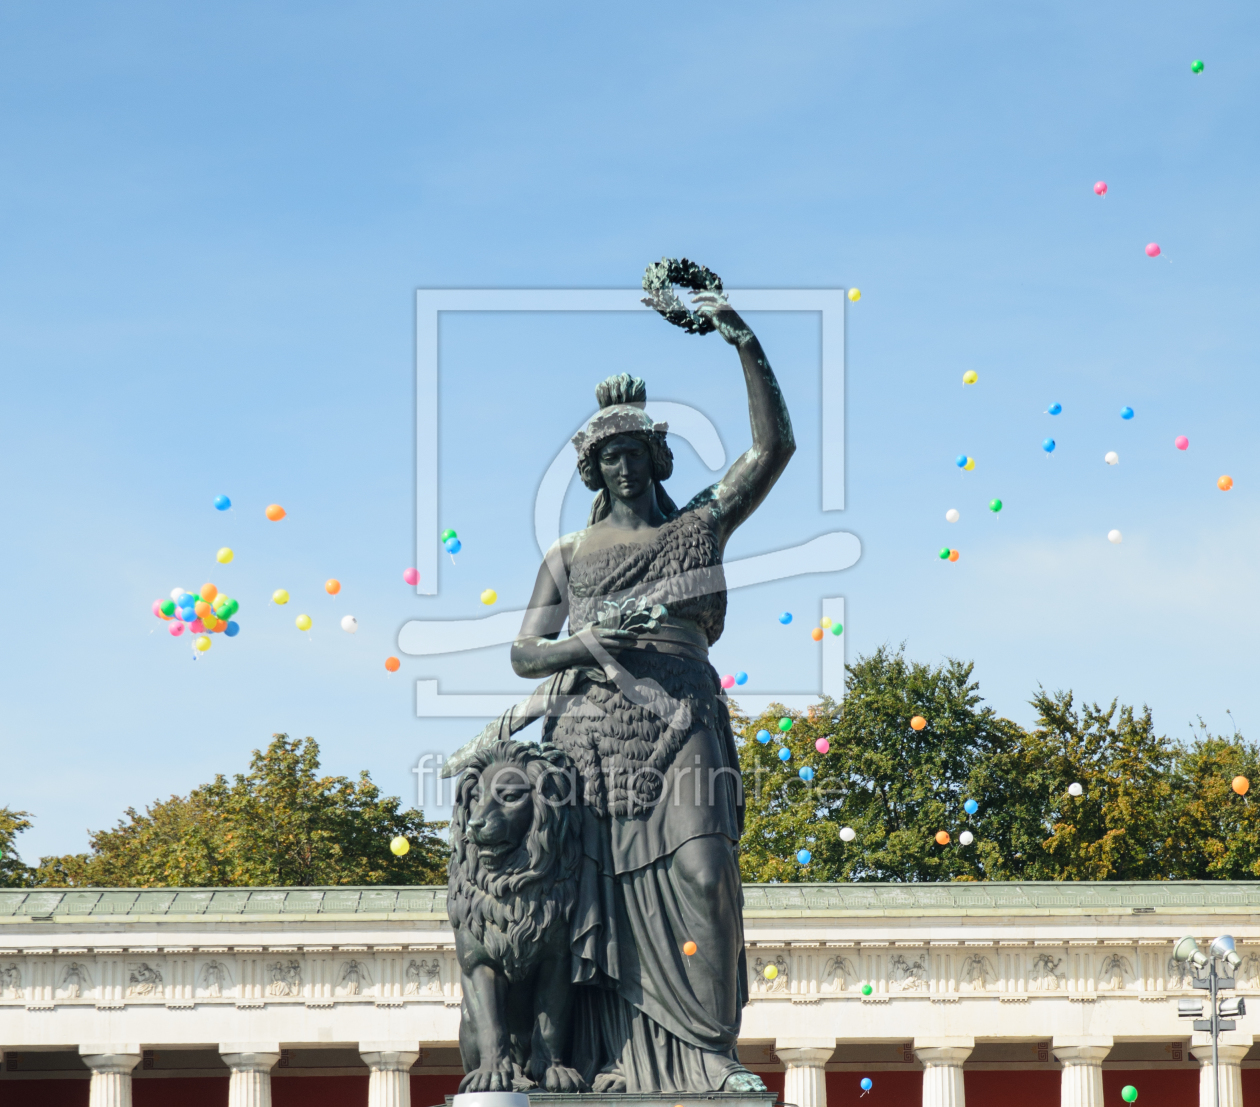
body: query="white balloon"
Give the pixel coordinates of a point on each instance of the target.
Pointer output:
(1115, 537)
(847, 834)
(951, 516)
(1112, 458)
(349, 624)
(966, 838)
(1074, 789)
(176, 593)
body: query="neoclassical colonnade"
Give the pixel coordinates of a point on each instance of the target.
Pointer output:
(938, 993)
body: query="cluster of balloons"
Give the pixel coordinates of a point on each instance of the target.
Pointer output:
(965, 462)
(451, 542)
(947, 554)
(205, 612)
(730, 681)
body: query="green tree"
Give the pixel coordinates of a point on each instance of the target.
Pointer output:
(279, 824)
(13, 874)
(1215, 832)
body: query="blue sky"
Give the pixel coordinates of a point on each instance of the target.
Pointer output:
(214, 221)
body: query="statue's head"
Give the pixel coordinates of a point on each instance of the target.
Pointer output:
(621, 450)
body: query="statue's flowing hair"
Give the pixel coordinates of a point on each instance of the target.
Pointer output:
(511, 910)
(625, 391)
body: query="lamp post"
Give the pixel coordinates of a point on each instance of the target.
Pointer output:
(1224, 1014)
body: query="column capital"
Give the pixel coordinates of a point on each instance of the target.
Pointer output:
(119, 1059)
(253, 1060)
(804, 1054)
(249, 1047)
(389, 1060)
(1077, 1049)
(950, 1052)
(1231, 1053)
(406, 1046)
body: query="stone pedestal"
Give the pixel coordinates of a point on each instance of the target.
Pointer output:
(805, 1079)
(1230, 1059)
(389, 1065)
(1080, 1084)
(942, 1060)
(251, 1064)
(650, 1099)
(111, 1073)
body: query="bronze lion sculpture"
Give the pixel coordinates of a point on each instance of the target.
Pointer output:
(515, 855)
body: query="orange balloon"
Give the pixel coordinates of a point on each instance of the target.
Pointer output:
(689, 948)
(275, 512)
(816, 634)
(942, 837)
(1225, 483)
(1240, 785)
(392, 664)
(208, 592)
(918, 722)
(203, 609)
(953, 555)
(332, 587)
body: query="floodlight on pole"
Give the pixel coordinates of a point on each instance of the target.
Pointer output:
(1222, 1015)
(1187, 949)
(1223, 948)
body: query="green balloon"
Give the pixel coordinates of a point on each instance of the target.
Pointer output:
(785, 723)
(1196, 66)
(995, 506)
(168, 607)
(867, 989)
(447, 535)
(227, 610)
(1129, 1093)
(945, 554)
(837, 628)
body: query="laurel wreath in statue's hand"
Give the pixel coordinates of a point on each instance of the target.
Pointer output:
(659, 281)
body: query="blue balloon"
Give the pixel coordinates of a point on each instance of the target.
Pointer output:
(453, 545)
(187, 614)
(186, 600)
(971, 807)
(763, 736)
(1048, 445)
(785, 618)
(222, 503)
(1126, 413)
(741, 678)
(803, 856)
(960, 460)
(1055, 409)
(806, 773)
(866, 1084)
(785, 754)
(233, 628)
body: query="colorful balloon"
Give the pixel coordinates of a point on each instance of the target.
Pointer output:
(803, 856)
(1240, 784)
(825, 622)
(302, 622)
(805, 773)
(785, 754)
(1196, 66)
(741, 678)
(971, 464)
(1115, 537)
(224, 556)
(1111, 457)
(167, 607)
(953, 555)
(447, 535)
(1075, 789)
(847, 834)
(197, 626)
(399, 846)
(228, 609)
(332, 587)
(222, 503)
(689, 948)
(838, 629)
(275, 512)
(202, 644)
(855, 294)
(951, 516)
(1152, 250)
(970, 806)
(202, 608)
(176, 629)
(1126, 413)
(489, 596)
(232, 629)
(1100, 188)
(453, 545)
(785, 723)
(1181, 442)
(208, 592)
(816, 634)
(187, 614)
(970, 376)
(770, 972)
(392, 664)
(728, 681)
(280, 596)
(867, 989)
(1048, 445)
(995, 506)
(944, 554)
(1223, 483)
(785, 618)
(1128, 1093)
(918, 722)
(960, 460)
(942, 837)
(822, 745)
(349, 624)
(1055, 409)
(763, 736)
(966, 838)
(176, 593)
(866, 1084)
(411, 576)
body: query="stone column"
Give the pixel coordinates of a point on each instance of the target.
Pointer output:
(389, 1064)
(1230, 1056)
(805, 1082)
(111, 1067)
(1080, 1084)
(942, 1069)
(251, 1064)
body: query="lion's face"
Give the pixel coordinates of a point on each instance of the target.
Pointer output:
(500, 814)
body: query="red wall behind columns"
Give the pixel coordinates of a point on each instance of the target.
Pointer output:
(891, 1089)
(317, 1091)
(1251, 1087)
(44, 1093)
(1035, 1088)
(1156, 1088)
(430, 1091)
(187, 1091)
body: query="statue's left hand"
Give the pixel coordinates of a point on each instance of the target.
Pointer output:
(715, 307)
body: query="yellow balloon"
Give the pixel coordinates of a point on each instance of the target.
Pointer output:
(824, 622)
(971, 464)
(202, 643)
(302, 622)
(970, 376)
(399, 847)
(279, 596)
(224, 556)
(770, 972)
(489, 596)
(855, 294)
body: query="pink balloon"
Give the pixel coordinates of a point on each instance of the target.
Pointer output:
(1181, 442)
(728, 682)
(176, 628)
(197, 627)
(822, 745)
(1152, 249)
(1100, 189)
(157, 608)
(411, 576)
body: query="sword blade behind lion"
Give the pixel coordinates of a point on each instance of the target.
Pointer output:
(513, 719)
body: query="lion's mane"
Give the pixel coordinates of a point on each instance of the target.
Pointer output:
(510, 911)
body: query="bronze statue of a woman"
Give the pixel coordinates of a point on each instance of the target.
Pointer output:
(657, 936)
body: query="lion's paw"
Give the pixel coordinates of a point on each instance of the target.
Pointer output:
(488, 1080)
(609, 1082)
(744, 1081)
(560, 1078)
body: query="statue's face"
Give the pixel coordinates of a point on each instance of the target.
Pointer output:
(625, 462)
(502, 812)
